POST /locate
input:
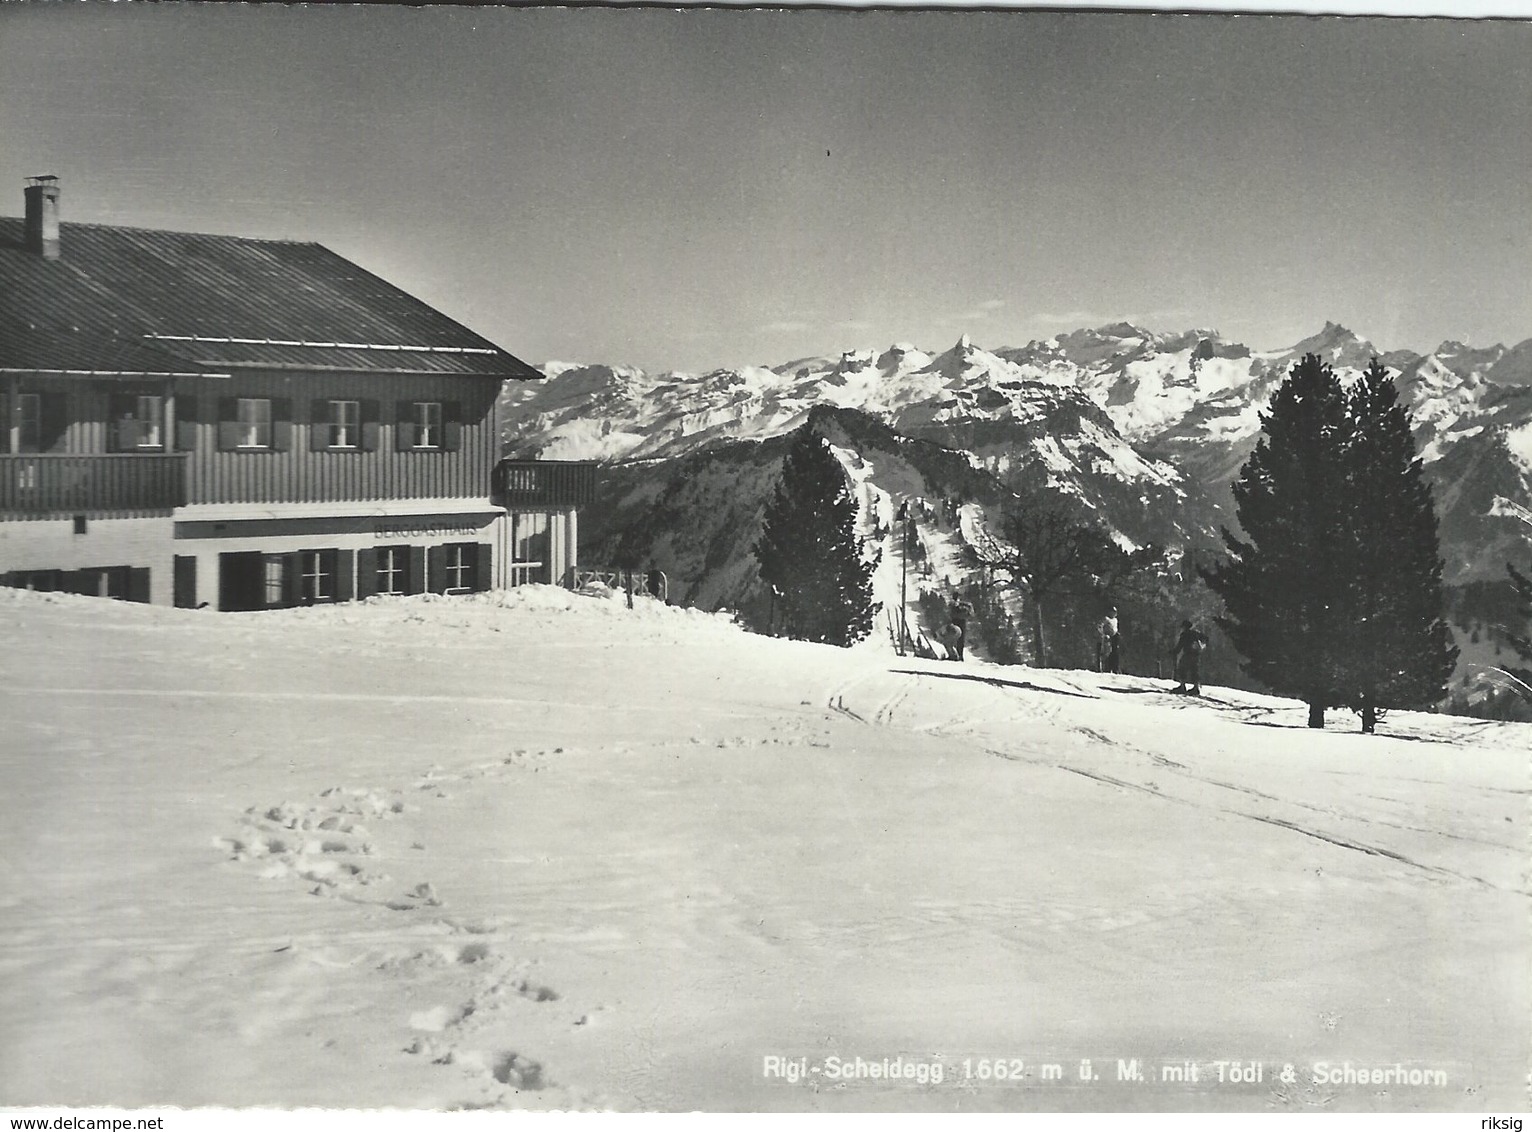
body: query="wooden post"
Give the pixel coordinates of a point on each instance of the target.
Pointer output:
(168, 418)
(12, 415)
(902, 517)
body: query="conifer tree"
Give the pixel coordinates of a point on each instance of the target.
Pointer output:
(1281, 590)
(1396, 649)
(808, 551)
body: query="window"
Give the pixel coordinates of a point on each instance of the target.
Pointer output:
(274, 577)
(246, 424)
(423, 426)
(428, 424)
(393, 569)
(458, 565)
(43, 581)
(318, 578)
(345, 424)
(111, 581)
(254, 422)
(149, 414)
(30, 422)
(529, 548)
(137, 422)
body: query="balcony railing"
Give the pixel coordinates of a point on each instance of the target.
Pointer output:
(32, 486)
(544, 483)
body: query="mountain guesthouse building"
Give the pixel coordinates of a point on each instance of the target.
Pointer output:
(244, 424)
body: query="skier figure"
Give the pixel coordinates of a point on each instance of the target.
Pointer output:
(1187, 656)
(957, 631)
(1109, 644)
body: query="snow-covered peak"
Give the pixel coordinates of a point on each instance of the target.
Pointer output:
(1193, 385)
(1124, 331)
(902, 356)
(1514, 367)
(854, 361)
(1337, 345)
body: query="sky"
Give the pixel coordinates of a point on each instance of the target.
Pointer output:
(697, 189)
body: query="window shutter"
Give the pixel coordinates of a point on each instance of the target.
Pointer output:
(370, 425)
(366, 572)
(281, 424)
(292, 579)
(319, 426)
(483, 561)
(138, 584)
(121, 425)
(228, 424)
(452, 425)
(404, 426)
(436, 569)
(345, 562)
(186, 422)
(416, 582)
(127, 435)
(54, 409)
(43, 581)
(185, 581)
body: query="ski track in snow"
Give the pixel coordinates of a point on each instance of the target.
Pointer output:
(880, 715)
(347, 697)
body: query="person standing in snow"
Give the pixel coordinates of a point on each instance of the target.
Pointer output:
(1109, 644)
(1187, 657)
(957, 616)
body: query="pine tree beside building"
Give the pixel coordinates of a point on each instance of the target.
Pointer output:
(1396, 650)
(808, 551)
(1282, 593)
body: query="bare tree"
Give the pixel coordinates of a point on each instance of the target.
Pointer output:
(1044, 550)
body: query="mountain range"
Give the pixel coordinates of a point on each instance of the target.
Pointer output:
(1146, 429)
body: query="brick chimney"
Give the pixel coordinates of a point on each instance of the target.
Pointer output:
(42, 223)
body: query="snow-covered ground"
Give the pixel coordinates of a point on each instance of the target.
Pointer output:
(535, 849)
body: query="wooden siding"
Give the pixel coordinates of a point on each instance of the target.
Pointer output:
(37, 486)
(301, 475)
(77, 421)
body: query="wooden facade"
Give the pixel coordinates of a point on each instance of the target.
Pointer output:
(77, 420)
(93, 486)
(284, 429)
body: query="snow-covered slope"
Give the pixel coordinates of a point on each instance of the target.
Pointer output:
(696, 517)
(537, 850)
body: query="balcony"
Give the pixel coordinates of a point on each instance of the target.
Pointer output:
(39, 486)
(544, 483)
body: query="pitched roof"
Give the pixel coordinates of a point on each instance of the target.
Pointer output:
(42, 349)
(118, 299)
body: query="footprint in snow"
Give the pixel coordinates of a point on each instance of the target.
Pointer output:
(518, 1071)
